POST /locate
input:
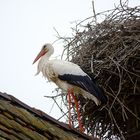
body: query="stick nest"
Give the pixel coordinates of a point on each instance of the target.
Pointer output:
(109, 51)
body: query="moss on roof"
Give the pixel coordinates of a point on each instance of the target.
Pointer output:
(21, 122)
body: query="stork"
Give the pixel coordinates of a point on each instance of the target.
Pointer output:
(69, 77)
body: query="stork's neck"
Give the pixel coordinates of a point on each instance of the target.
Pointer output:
(42, 62)
(45, 58)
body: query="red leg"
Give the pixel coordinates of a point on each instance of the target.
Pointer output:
(69, 111)
(78, 113)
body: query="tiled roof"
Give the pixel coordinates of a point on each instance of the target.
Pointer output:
(19, 121)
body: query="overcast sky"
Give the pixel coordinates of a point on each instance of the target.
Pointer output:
(25, 25)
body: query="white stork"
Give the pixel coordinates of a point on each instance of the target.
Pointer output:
(69, 77)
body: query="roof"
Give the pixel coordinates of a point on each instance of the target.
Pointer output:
(19, 121)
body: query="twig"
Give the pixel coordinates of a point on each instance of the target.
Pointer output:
(94, 14)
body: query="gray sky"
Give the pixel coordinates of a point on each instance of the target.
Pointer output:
(25, 25)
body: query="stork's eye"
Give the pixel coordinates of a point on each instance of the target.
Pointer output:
(44, 47)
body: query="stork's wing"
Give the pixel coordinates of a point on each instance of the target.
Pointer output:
(86, 83)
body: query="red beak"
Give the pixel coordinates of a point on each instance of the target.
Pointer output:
(41, 53)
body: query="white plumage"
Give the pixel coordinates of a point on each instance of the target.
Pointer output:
(67, 75)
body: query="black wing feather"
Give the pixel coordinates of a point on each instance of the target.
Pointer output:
(86, 83)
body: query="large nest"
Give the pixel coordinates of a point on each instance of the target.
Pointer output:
(109, 51)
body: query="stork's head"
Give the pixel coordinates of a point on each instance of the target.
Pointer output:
(46, 49)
